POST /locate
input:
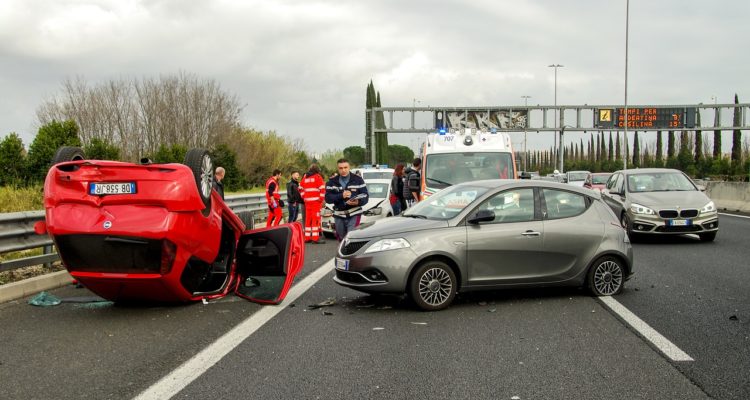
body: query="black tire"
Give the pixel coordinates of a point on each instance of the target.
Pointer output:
(433, 286)
(199, 162)
(708, 236)
(606, 277)
(68, 153)
(625, 222)
(247, 218)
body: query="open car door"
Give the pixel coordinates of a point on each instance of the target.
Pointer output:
(268, 259)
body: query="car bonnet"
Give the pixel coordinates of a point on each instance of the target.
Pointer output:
(394, 226)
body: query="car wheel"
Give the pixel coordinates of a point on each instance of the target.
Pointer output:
(68, 153)
(247, 218)
(708, 236)
(606, 277)
(200, 164)
(433, 286)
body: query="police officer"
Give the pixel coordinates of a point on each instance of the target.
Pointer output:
(348, 193)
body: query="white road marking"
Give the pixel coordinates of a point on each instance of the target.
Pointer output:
(178, 379)
(734, 215)
(663, 344)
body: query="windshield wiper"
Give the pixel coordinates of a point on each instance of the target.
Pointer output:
(415, 216)
(439, 181)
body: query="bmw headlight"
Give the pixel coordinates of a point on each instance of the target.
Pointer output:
(708, 208)
(639, 209)
(388, 244)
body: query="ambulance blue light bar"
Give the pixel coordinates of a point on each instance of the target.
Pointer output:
(442, 131)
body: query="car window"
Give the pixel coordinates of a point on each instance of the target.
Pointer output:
(377, 175)
(511, 206)
(611, 181)
(563, 204)
(617, 184)
(659, 182)
(377, 190)
(446, 203)
(599, 179)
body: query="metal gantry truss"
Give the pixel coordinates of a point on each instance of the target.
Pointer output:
(579, 118)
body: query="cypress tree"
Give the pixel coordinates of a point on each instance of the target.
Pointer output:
(717, 137)
(603, 146)
(381, 139)
(736, 139)
(659, 154)
(636, 151)
(610, 155)
(618, 153)
(670, 145)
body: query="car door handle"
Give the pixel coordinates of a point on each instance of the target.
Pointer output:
(530, 233)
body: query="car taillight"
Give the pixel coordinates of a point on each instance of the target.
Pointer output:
(168, 253)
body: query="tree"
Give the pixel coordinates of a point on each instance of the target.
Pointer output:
(48, 139)
(636, 151)
(717, 137)
(355, 155)
(138, 116)
(12, 155)
(169, 154)
(659, 158)
(610, 155)
(223, 156)
(737, 140)
(398, 154)
(381, 139)
(618, 153)
(98, 149)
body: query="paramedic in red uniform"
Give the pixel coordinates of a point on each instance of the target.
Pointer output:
(313, 192)
(273, 198)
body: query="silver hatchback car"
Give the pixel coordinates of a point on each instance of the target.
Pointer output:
(489, 235)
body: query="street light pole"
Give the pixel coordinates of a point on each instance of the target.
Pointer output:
(525, 131)
(559, 145)
(627, 15)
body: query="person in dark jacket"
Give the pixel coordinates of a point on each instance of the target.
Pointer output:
(398, 203)
(218, 177)
(348, 193)
(293, 197)
(413, 182)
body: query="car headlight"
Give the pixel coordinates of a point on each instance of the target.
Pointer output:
(639, 209)
(708, 208)
(388, 244)
(374, 211)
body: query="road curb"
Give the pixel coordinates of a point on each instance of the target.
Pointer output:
(26, 287)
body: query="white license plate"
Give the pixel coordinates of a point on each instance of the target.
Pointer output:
(342, 264)
(679, 222)
(101, 189)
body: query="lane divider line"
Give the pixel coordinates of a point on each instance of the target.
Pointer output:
(734, 215)
(660, 342)
(193, 368)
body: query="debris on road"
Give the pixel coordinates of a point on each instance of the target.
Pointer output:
(419, 323)
(327, 313)
(326, 303)
(733, 318)
(492, 310)
(44, 299)
(378, 328)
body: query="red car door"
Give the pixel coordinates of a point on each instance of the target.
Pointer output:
(267, 260)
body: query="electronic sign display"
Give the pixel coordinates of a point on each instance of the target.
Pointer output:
(645, 118)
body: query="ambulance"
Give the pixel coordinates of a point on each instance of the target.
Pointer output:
(465, 155)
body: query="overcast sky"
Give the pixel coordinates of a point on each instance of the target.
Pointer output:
(301, 67)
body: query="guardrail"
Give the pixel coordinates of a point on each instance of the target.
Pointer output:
(17, 231)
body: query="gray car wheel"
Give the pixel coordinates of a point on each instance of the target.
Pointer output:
(199, 162)
(433, 286)
(606, 276)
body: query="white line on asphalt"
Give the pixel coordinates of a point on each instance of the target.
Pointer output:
(178, 379)
(734, 215)
(663, 344)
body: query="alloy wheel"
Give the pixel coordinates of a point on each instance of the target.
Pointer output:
(608, 278)
(435, 286)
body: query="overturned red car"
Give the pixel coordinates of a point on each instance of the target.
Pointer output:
(159, 232)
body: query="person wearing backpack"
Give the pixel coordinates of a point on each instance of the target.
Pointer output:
(413, 183)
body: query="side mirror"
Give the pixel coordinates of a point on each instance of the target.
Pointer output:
(525, 175)
(482, 216)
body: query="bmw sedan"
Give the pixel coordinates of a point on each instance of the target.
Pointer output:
(661, 201)
(490, 235)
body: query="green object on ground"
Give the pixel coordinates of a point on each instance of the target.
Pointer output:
(44, 299)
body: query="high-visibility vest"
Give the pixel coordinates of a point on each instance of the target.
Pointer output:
(313, 189)
(276, 195)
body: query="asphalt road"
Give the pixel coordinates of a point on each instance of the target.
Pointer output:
(526, 344)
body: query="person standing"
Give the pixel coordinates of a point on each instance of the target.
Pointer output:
(398, 203)
(293, 197)
(413, 183)
(347, 193)
(218, 177)
(273, 198)
(313, 194)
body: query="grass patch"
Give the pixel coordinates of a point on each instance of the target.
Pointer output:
(14, 199)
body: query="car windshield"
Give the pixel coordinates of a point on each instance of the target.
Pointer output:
(659, 182)
(577, 176)
(600, 179)
(446, 203)
(447, 169)
(377, 175)
(377, 190)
